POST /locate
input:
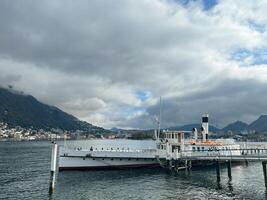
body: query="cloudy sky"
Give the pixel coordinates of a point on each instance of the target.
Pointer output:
(107, 62)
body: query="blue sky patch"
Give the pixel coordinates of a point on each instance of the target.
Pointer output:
(256, 26)
(259, 56)
(142, 95)
(206, 4)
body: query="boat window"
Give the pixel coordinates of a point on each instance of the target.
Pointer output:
(203, 148)
(93, 159)
(173, 136)
(102, 149)
(120, 159)
(198, 148)
(129, 158)
(83, 158)
(112, 159)
(194, 149)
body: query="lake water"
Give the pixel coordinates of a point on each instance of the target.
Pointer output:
(24, 174)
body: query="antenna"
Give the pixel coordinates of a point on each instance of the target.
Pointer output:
(159, 119)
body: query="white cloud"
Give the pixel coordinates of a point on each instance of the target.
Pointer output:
(90, 58)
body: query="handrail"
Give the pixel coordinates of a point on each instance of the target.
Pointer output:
(255, 153)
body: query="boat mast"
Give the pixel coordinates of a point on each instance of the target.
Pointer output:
(159, 119)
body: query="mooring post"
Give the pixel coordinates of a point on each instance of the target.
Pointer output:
(229, 169)
(186, 164)
(264, 172)
(53, 167)
(218, 171)
(190, 164)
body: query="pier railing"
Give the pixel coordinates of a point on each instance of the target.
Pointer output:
(249, 154)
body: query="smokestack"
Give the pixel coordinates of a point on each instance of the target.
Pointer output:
(205, 127)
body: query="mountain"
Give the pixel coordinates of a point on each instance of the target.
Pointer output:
(189, 127)
(116, 130)
(260, 124)
(237, 126)
(17, 109)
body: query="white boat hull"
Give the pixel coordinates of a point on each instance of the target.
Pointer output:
(87, 163)
(79, 159)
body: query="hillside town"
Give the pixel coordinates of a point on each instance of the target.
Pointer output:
(20, 134)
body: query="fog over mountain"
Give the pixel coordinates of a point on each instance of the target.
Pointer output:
(107, 62)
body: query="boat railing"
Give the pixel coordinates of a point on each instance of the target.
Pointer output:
(114, 150)
(256, 152)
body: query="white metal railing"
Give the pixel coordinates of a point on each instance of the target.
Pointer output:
(112, 150)
(226, 154)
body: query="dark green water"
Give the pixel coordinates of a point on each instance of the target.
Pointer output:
(24, 174)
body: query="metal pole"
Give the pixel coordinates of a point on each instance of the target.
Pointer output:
(159, 117)
(218, 171)
(264, 172)
(53, 167)
(229, 169)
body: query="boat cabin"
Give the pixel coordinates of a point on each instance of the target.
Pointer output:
(172, 143)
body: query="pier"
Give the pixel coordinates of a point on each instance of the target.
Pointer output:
(180, 161)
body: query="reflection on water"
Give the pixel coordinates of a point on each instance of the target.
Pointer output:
(24, 174)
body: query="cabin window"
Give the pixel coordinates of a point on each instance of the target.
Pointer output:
(194, 149)
(103, 159)
(112, 159)
(120, 159)
(198, 148)
(203, 149)
(129, 158)
(172, 136)
(83, 158)
(102, 149)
